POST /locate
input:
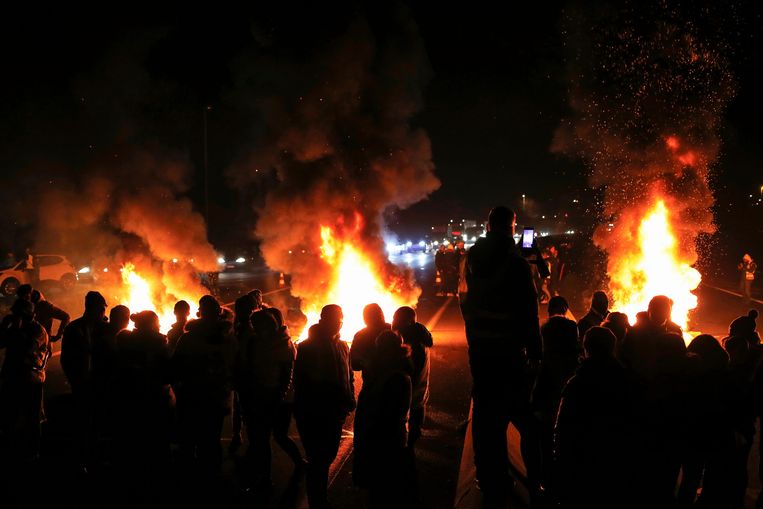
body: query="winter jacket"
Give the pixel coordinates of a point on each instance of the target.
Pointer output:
(45, 313)
(264, 367)
(419, 339)
(363, 347)
(202, 365)
(501, 302)
(77, 353)
(26, 351)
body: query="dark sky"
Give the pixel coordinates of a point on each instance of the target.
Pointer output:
(80, 86)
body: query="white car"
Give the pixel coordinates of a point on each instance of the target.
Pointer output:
(53, 268)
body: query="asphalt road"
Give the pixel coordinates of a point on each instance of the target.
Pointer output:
(444, 475)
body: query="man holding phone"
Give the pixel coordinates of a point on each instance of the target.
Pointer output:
(500, 310)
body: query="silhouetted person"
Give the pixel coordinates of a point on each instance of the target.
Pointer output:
(641, 345)
(380, 426)
(264, 365)
(24, 292)
(364, 342)
(439, 263)
(500, 310)
(450, 263)
(257, 296)
(710, 437)
(142, 401)
(242, 329)
(593, 431)
(182, 311)
(44, 314)
(747, 268)
(561, 351)
(740, 404)
(596, 314)
(21, 384)
(419, 340)
(285, 409)
(203, 374)
(744, 327)
(104, 367)
(323, 397)
(619, 325)
(78, 365)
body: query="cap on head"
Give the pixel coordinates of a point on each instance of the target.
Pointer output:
(146, 320)
(94, 300)
(744, 325)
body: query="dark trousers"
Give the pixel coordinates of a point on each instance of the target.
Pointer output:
(199, 430)
(281, 425)
(20, 413)
(746, 287)
(320, 438)
(500, 396)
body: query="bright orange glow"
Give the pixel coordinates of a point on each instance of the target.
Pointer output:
(672, 142)
(354, 283)
(655, 267)
(141, 296)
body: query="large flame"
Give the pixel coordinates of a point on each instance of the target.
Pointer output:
(140, 295)
(354, 283)
(654, 267)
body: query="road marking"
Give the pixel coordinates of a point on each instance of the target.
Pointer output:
(432, 323)
(735, 294)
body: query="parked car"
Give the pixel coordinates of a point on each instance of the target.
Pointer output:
(52, 268)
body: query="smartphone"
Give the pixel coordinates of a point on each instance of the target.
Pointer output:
(528, 237)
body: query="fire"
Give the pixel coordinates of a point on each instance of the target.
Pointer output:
(353, 284)
(654, 267)
(140, 296)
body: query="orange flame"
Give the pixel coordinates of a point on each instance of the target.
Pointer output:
(353, 284)
(141, 296)
(655, 268)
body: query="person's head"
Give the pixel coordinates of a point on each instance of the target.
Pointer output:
(600, 302)
(461, 244)
(557, 306)
(145, 321)
(182, 311)
(256, 296)
(642, 318)
(501, 220)
(120, 316)
(599, 343)
(332, 319)
(441, 249)
(244, 307)
(450, 248)
(552, 251)
(660, 309)
(617, 323)
(24, 292)
(744, 326)
(747, 258)
(403, 317)
(276, 314)
(711, 354)
(738, 349)
(209, 308)
(23, 309)
(37, 297)
(95, 305)
(264, 324)
(373, 315)
(28, 251)
(390, 350)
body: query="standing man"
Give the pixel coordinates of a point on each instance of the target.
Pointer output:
(500, 310)
(747, 268)
(323, 397)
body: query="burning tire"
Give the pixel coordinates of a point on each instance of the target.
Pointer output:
(9, 286)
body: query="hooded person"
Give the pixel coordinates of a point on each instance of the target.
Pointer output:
(181, 310)
(324, 395)
(202, 374)
(381, 433)
(22, 377)
(364, 342)
(264, 366)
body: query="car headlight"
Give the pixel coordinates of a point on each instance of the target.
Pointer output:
(84, 270)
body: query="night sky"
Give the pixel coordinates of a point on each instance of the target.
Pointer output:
(82, 88)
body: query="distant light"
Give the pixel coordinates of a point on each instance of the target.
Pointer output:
(543, 217)
(408, 257)
(105, 269)
(289, 251)
(221, 260)
(240, 259)
(422, 243)
(422, 258)
(436, 242)
(174, 260)
(391, 247)
(408, 244)
(84, 270)
(474, 239)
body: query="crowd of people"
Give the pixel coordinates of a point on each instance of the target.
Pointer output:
(160, 401)
(610, 414)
